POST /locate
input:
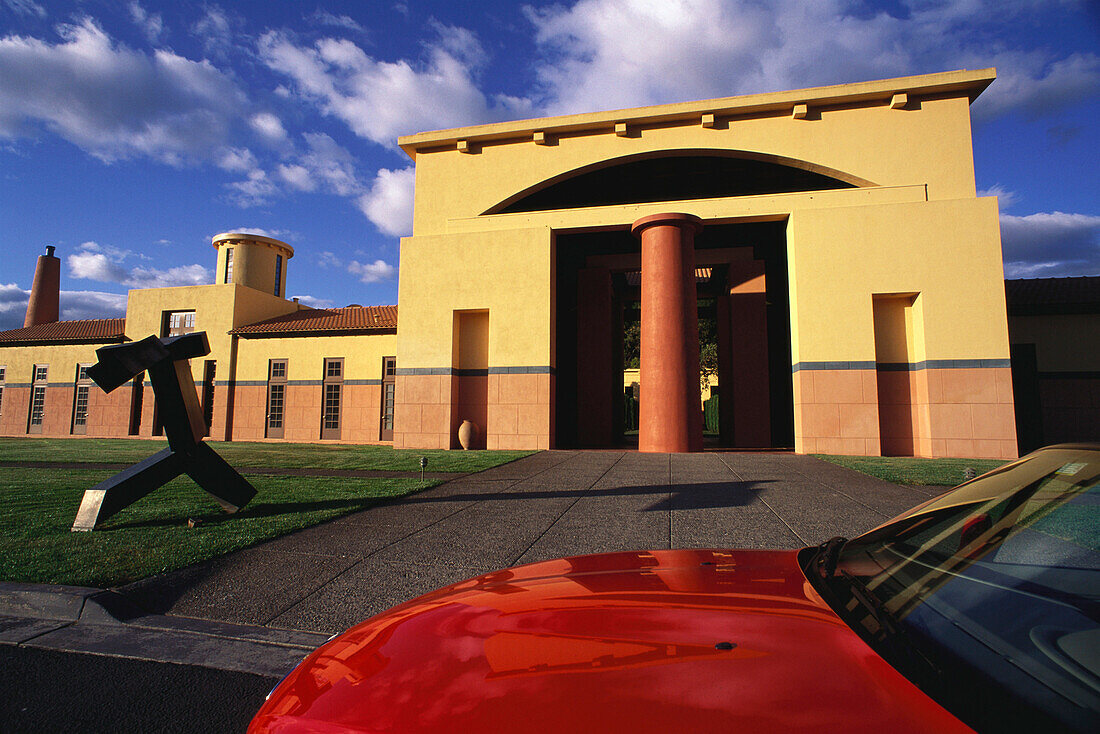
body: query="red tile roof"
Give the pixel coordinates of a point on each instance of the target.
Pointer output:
(1053, 295)
(353, 319)
(87, 331)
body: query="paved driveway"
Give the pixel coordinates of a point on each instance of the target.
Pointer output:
(550, 504)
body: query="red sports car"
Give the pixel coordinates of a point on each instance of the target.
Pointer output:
(979, 609)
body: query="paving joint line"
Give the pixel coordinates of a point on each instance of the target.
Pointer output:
(43, 633)
(367, 557)
(567, 509)
(765, 503)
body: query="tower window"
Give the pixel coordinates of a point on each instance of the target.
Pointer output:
(229, 265)
(278, 274)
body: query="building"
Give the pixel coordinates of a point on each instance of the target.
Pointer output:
(276, 369)
(1054, 327)
(833, 235)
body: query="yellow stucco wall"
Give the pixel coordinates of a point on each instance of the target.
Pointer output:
(866, 141)
(218, 309)
(61, 359)
(507, 273)
(946, 251)
(305, 356)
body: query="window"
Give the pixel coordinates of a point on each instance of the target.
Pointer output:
(38, 399)
(229, 265)
(178, 322)
(276, 397)
(333, 392)
(389, 373)
(278, 273)
(80, 400)
(210, 368)
(2, 371)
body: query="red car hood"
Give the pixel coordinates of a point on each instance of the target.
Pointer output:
(614, 642)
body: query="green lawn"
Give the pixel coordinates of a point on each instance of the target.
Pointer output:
(37, 506)
(909, 470)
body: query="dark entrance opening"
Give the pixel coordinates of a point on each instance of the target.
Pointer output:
(742, 285)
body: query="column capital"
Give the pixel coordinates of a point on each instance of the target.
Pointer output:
(675, 219)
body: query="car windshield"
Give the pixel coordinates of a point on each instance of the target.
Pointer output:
(988, 596)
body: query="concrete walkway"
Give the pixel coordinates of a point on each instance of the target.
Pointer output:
(557, 503)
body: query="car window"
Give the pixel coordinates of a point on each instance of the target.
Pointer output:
(995, 586)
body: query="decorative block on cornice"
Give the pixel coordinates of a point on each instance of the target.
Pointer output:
(709, 120)
(464, 146)
(960, 83)
(800, 111)
(899, 101)
(621, 129)
(540, 138)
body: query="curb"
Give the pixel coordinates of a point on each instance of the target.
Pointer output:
(103, 622)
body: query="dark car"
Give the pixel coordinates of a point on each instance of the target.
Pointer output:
(978, 609)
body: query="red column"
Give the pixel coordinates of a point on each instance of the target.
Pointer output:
(670, 418)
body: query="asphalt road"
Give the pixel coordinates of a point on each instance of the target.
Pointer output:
(49, 691)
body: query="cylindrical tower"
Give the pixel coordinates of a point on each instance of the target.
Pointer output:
(253, 261)
(44, 304)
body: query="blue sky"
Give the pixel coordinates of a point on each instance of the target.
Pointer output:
(131, 132)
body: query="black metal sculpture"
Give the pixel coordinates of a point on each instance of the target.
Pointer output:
(180, 414)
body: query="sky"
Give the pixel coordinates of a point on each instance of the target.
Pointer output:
(131, 132)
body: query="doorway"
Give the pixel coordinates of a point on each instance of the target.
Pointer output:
(741, 281)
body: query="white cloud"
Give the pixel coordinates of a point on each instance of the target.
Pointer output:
(389, 203)
(107, 265)
(237, 160)
(1037, 83)
(141, 277)
(324, 17)
(213, 28)
(1005, 198)
(269, 126)
(330, 164)
(96, 266)
(74, 305)
(278, 234)
(696, 49)
(296, 177)
(314, 302)
(151, 24)
(380, 100)
(114, 102)
(374, 272)
(325, 165)
(329, 260)
(13, 306)
(255, 190)
(91, 305)
(26, 7)
(1050, 244)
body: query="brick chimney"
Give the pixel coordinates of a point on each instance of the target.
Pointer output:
(43, 306)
